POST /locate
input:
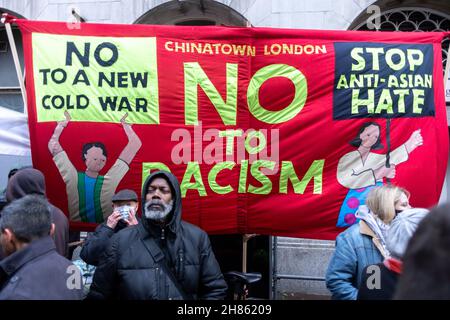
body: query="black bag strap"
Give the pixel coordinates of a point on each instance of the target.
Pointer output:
(159, 257)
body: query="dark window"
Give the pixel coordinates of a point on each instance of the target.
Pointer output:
(409, 16)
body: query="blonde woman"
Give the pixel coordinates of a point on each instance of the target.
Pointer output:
(364, 243)
(400, 232)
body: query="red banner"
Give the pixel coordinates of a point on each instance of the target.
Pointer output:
(269, 131)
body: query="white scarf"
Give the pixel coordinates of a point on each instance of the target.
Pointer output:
(375, 224)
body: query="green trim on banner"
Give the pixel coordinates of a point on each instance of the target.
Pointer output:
(82, 197)
(97, 195)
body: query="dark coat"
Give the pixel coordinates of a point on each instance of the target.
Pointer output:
(388, 283)
(129, 271)
(37, 272)
(32, 181)
(1, 249)
(97, 242)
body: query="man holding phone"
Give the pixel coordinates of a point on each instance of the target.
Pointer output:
(125, 205)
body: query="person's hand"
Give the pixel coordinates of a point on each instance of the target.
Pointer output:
(64, 123)
(123, 120)
(126, 126)
(384, 171)
(131, 221)
(414, 141)
(113, 219)
(53, 144)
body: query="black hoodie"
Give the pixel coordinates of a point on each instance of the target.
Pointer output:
(174, 218)
(32, 181)
(128, 270)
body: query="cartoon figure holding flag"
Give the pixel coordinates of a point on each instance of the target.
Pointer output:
(88, 193)
(362, 169)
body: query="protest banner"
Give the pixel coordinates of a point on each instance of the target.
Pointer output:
(269, 131)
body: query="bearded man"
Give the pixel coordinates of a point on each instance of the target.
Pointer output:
(162, 257)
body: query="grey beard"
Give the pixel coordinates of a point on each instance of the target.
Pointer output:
(158, 215)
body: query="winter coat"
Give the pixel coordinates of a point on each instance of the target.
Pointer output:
(129, 270)
(97, 242)
(32, 181)
(356, 248)
(1, 249)
(381, 288)
(38, 272)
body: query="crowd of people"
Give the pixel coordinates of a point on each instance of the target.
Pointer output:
(154, 256)
(393, 251)
(144, 250)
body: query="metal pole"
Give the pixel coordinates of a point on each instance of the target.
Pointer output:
(294, 277)
(270, 266)
(447, 67)
(274, 268)
(244, 253)
(17, 65)
(245, 239)
(388, 142)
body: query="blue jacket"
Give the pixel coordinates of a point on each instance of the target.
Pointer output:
(356, 248)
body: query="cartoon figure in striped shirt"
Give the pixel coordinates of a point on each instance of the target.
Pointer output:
(88, 193)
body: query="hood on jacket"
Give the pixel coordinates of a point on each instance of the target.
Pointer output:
(25, 181)
(402, 229)
(175, 215)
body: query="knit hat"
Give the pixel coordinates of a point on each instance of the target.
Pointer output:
(401, 230)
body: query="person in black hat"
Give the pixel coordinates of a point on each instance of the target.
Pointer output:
(125, 205)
